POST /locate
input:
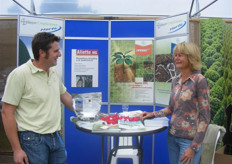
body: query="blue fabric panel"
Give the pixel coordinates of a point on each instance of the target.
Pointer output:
(130, 29)
(84, 28)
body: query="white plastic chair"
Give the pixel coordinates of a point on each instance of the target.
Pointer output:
(125, 149)
(215, 146)
(212, 138)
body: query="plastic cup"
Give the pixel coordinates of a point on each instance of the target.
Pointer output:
(125, 108)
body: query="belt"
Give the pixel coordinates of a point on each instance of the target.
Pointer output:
(52, 134)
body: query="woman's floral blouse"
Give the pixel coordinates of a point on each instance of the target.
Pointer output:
(190, 109)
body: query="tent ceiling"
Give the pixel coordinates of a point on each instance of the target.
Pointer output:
(210, 8)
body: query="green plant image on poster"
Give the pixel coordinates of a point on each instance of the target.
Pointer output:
(131, 71)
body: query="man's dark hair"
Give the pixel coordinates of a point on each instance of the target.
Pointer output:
(43, 41)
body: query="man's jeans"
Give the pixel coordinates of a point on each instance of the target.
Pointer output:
(177, 146)
(43, 148)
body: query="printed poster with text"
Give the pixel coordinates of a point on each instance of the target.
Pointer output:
(132, 71)
(85, 68)
(165, 69)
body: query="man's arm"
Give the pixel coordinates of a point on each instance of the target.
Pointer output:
(10, 127)
(66, 99)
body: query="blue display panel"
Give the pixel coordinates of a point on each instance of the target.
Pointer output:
(90, 35)
(84, 28)
(132, 29)
(87, 34)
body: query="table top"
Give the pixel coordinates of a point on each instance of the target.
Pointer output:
(123, 132)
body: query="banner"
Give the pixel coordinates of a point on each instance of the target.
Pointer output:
(31, 25)
(174, 25)
(169, 32)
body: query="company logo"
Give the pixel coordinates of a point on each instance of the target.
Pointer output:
(177, 27)
(51, 29)
(143, 50)
(159, 25)
(25, 22)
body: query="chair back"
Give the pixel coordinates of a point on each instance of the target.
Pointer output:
(227, 139)
(213, 137)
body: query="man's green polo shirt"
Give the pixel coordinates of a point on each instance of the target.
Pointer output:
(36, 97)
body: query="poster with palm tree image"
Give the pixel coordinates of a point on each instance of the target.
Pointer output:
(131, 71)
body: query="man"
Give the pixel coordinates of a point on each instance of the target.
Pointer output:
(31, 110)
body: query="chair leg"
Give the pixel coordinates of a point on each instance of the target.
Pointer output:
(114, 160)
(136, 160)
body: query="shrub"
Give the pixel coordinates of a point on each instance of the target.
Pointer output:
(212, 75)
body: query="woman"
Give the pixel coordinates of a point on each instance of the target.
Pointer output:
(188, 105)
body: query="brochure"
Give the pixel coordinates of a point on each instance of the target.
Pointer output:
(131, 125)
(105, 128)
(161, 121)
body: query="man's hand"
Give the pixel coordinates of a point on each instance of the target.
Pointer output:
(187, 156)
(20, 157)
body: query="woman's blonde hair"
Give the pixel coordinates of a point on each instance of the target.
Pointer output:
(192, 52)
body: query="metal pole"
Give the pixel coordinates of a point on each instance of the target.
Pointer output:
(204, 8)
(33, 13)
(33, 7)
(191, 8)
(197, 9)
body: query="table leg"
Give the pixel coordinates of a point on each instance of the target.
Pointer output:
(102, 149)
(140, 148)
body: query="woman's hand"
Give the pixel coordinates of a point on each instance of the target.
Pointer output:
(145, 115)
(187, 156)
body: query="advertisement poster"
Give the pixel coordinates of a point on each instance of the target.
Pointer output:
(165, 69)
(132, 71)
(85, 68)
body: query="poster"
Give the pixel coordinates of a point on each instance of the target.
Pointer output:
(132, 71)
(165, 69)
(169, 32)
(85, 68)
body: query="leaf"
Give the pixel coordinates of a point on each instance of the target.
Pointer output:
(129, 56)
(128, 52)
(119, 61)
(117, 56)
(118, 53)
(128, 62)
(114, 59)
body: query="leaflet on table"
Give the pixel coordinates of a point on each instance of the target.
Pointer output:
(105, 128)
(88, 124)
(131, 125)
(162, 121)
(135, 113)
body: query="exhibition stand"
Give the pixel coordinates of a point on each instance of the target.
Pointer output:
(122, 59)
